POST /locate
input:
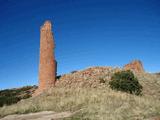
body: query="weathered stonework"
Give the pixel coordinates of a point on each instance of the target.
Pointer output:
(47, 65)
(135, 66)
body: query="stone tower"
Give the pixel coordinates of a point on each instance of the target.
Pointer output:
(47, 65)
(135, 66)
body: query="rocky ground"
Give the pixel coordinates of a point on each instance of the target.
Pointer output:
(90, 77)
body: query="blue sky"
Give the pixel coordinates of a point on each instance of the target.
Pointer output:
(87, 33)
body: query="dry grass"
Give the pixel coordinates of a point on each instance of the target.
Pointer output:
(99, 103)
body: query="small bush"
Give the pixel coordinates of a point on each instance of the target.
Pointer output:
(58, 77)
(125, 81)
(102, 80)
(74, 71)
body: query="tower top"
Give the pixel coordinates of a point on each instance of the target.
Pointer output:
(47, 25)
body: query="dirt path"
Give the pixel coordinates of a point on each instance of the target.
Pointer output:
(45, 115)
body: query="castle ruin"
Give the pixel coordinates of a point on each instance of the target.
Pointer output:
(135, 66)
(48, 64)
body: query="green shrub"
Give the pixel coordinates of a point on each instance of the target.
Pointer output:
(74, 71)
(126, 81)
(58, 77)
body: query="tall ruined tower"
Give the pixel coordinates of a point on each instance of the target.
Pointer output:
(47, 65)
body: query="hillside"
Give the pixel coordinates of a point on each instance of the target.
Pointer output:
(99, 77)
(87, 94)
(11, 96)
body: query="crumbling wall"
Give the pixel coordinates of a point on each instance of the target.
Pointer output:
(135, 66)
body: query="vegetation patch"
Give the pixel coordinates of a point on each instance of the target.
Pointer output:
(11, 96)
(126, 81)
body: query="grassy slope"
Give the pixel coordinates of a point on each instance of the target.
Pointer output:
(11, 96)
(100, 103)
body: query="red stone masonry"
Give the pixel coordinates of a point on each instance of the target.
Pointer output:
(47, 65)
(135, 66)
